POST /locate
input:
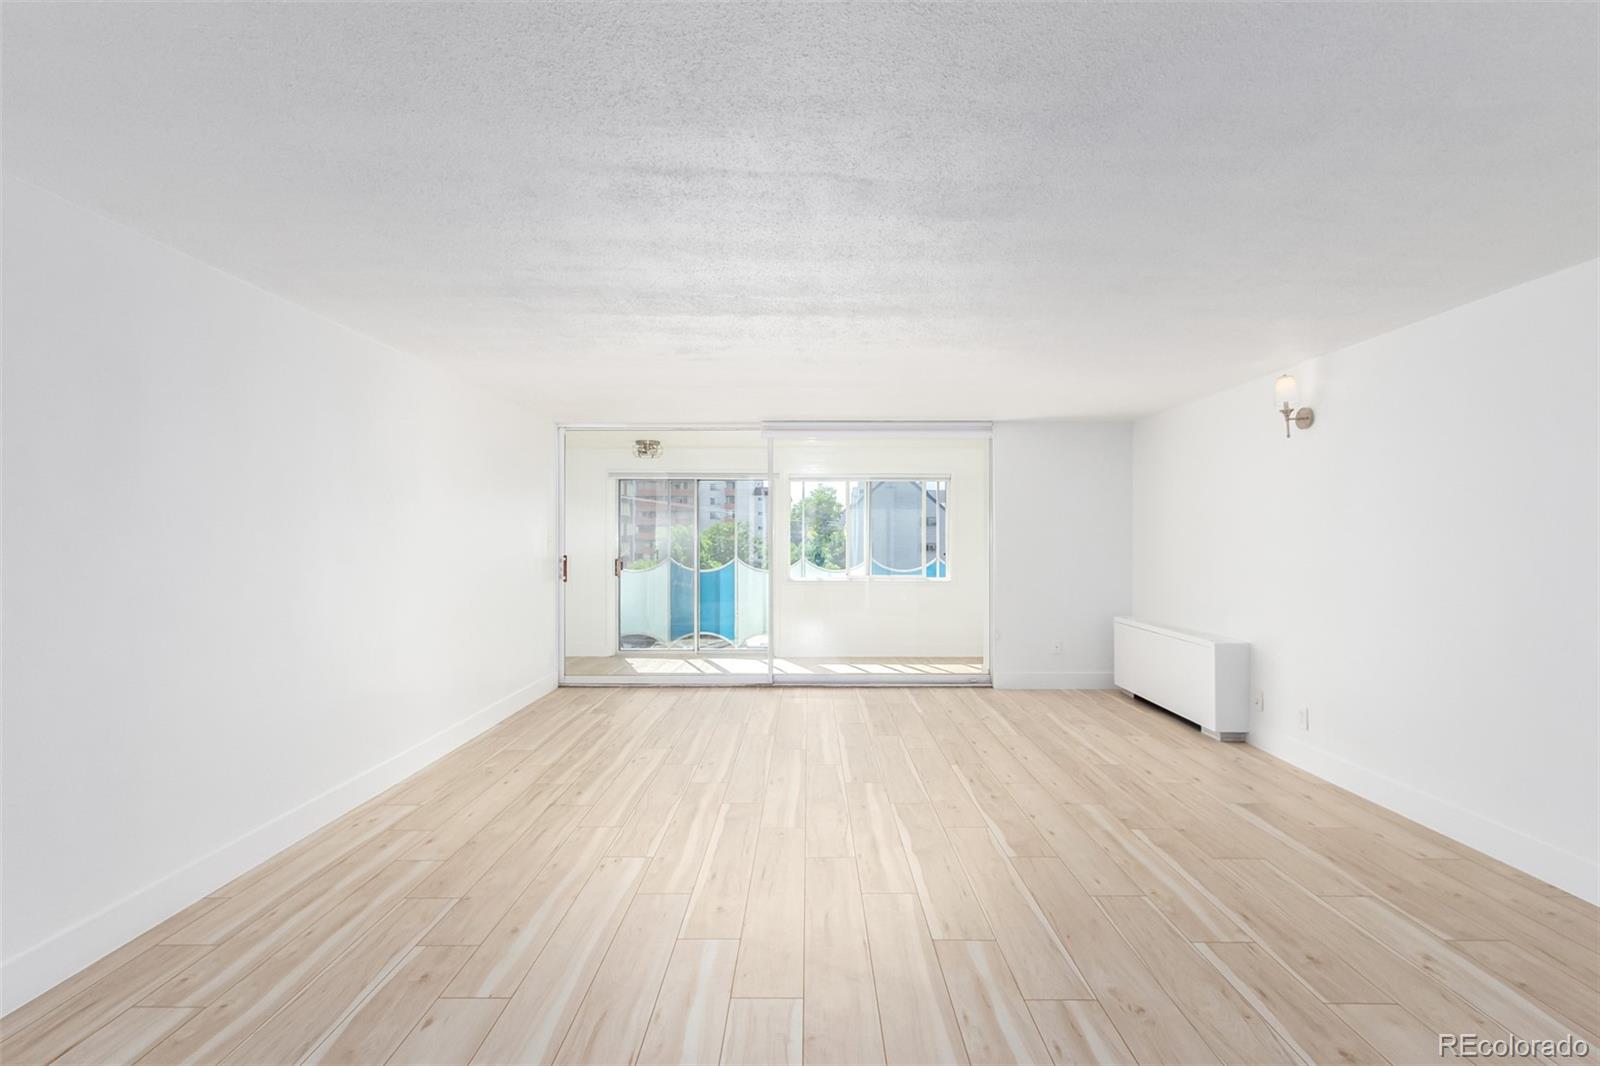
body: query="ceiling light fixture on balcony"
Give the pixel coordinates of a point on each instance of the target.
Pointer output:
(647, 449)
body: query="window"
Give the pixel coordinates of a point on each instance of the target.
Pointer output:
(864, 528)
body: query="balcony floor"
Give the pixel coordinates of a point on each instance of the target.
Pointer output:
(746, 663)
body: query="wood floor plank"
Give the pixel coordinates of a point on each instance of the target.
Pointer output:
(1087, 860)
(96, 1004)
(789, 722)
(126, 1037)
(217, 970)
(377, 1027)
(536, 1018)
(772, 948)
(918, 1023)
(1408, 938)
(1153, 1026)
(875, 834)
(433, 814)
(948, 899)
(228, 1020)
(1579, 922)
(899, 776)
(841, 1006)
(611, 1021)
(641, 834)
(764, 1032)
(822, 736)
(1078, 1031)
(463, 868)
(1409, 883)
(1297, 939)
(1309, 868)
(1392, 1030)
(511, 948)
(1301, 1020)
(486, 902)
(1536, 977)
(858, 756)
(945, 790)
(785, 793)
(291, 1033)
(613, 805)
(696, 737)
(1039, 962)
(517, 791)
(996, 1025)
(1001, 813)
(691, 1009)
(1174, 895)
(747, 781)
(449, 1032)
(722, 887)
(717, 759)
(1429, 1001)
(677, 860)
(827, 816)
(1235, 1030)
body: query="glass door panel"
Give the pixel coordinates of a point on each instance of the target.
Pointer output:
(733, 518)
(655, 563)
(692, 564)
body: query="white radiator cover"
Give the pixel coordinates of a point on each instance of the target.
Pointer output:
(1199, 676)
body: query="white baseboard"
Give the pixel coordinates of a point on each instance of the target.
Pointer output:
(40, 967)
(1549, 863)
(1081, 679)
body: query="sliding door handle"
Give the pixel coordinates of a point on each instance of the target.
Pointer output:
(563, 568)
(616, 567)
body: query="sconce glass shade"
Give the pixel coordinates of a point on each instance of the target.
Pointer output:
(1285, 392)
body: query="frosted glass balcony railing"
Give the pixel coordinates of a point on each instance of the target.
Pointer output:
(657, 607)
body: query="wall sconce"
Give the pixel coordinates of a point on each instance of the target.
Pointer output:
(647, 449)
(1287, 396)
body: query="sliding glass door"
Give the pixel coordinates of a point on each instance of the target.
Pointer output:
(691, 565)
(777, 555)
(655, 563)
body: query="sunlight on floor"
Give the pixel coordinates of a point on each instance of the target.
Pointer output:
(661, 665)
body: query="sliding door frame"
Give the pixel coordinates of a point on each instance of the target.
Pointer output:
(771, 432)
(617, 478)
(658, 680)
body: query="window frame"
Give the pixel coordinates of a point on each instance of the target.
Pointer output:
(866, 527)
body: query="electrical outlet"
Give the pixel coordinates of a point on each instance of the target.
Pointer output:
(1258, 701)
(1305, 718)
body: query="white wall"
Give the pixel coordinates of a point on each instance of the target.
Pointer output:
(1419, 568)
(256, 568)
(1062, 516)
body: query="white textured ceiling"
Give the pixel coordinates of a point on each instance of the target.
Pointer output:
(819, 211)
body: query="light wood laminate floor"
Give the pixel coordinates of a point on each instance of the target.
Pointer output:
(843, 876)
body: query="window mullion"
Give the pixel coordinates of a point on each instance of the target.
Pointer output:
(866, 526)
(922, 528)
